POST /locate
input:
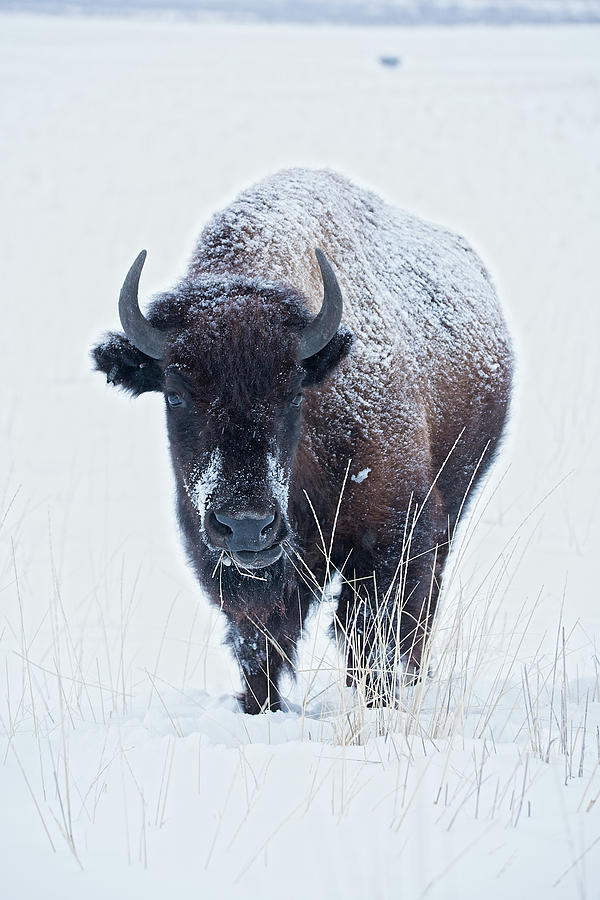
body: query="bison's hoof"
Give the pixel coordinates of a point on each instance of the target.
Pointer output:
(253, 705)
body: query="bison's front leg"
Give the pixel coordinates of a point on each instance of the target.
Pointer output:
(261, 660)
(385, 612)
(264, 649)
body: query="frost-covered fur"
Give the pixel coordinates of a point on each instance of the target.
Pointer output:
(413, 390)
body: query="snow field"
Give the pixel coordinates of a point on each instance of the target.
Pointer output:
(126, 765)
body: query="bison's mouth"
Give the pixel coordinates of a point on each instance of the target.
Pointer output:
(256, 559)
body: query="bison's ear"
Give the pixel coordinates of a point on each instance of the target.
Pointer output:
(126, 366)
(320, 365)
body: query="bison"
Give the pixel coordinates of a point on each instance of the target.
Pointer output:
(317, 436)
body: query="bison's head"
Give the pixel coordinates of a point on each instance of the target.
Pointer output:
(233, 357)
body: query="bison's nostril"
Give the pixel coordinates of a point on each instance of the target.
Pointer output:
(219, 525)
(268, 524)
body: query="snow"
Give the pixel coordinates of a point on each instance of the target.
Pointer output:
(349, 12)
(279, 481)
(126, 767)
(360, 476)
(204, 483)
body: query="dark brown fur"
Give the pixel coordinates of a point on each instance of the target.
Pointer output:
(232, 353)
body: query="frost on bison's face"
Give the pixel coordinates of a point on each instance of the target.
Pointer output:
(233, 385)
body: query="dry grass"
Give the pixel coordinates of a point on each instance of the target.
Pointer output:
(482, 691)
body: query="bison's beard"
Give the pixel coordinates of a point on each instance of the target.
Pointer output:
(244, 593)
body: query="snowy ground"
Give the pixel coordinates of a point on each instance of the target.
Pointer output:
(337, 12)
(127, 769)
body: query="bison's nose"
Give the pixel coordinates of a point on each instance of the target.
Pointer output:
(246, 531)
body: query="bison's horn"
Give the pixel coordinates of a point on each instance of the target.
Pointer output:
(138, 329)
(323, 327)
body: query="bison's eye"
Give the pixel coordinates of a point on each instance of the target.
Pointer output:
(174, 399)
(297, 400)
